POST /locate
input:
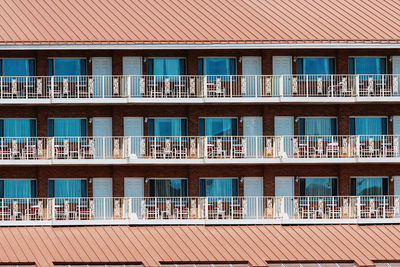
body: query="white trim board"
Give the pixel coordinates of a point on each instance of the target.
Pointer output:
(314, 45)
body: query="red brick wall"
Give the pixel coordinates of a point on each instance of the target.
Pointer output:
(194, 173)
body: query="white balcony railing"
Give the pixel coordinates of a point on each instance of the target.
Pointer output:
(195, 147)
(142, 87)
(150, 209)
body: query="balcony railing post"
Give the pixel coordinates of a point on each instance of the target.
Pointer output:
(205, 86)
(230, 85)
(103, 85)
(128, 86)
(26, 87)
(357, 85)
(332, 91)
(52, 86)
(280, 85)
(306, 85)
(358, 207)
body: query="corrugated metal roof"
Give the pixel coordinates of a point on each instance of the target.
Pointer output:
(153, 245)
(198, 21)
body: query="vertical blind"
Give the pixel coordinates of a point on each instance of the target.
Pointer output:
(66, 66)
(216, 66)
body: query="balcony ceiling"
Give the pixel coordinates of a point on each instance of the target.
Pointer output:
(151, 245)
(198, 22)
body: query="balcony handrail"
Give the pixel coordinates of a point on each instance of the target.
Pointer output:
(199, 86)
(313, 209)
(200, 147)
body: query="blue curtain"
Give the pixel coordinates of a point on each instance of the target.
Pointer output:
(68, 188)
(67, 127)
(318, 186)
(168, 188)
(218, 66)
(320, 126)
(67, 66)
(316, 66)
(19, 127)
(367, 65)
(369, 126)
(367, 186)
(218, 187)
(17, 189)
(219, 127)
(18, 67)
(167, 127)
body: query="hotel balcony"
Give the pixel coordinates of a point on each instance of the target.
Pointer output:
(200, 210)
(199, 89)
(199, 150)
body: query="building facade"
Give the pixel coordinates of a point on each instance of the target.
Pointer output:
(260, 120)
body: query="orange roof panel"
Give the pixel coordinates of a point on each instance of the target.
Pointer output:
(198, 21)
(153, 245)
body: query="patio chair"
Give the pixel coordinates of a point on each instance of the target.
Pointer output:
(220, 209)
(319, 212)
(167, 150)
(240, 150)
(35, 212)
(373, 209)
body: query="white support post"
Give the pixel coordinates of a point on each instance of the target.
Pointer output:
(357, 85)
(52, 86)
(306, 85)
(281, 85)
(230, 85)
(26, 87)
(128, 86)
(103, 85)
(205, 86)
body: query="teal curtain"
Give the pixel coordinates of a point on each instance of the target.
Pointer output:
(17, 188)
(218, 187)
(68, 188)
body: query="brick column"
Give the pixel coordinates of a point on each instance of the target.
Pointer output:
(342, 62)
(268, 121)
(191, 63)
(116, 64)
(42, 183)
(343, 182)
(117, 122)
(266, 63)
(193, 182)
(269, 182)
